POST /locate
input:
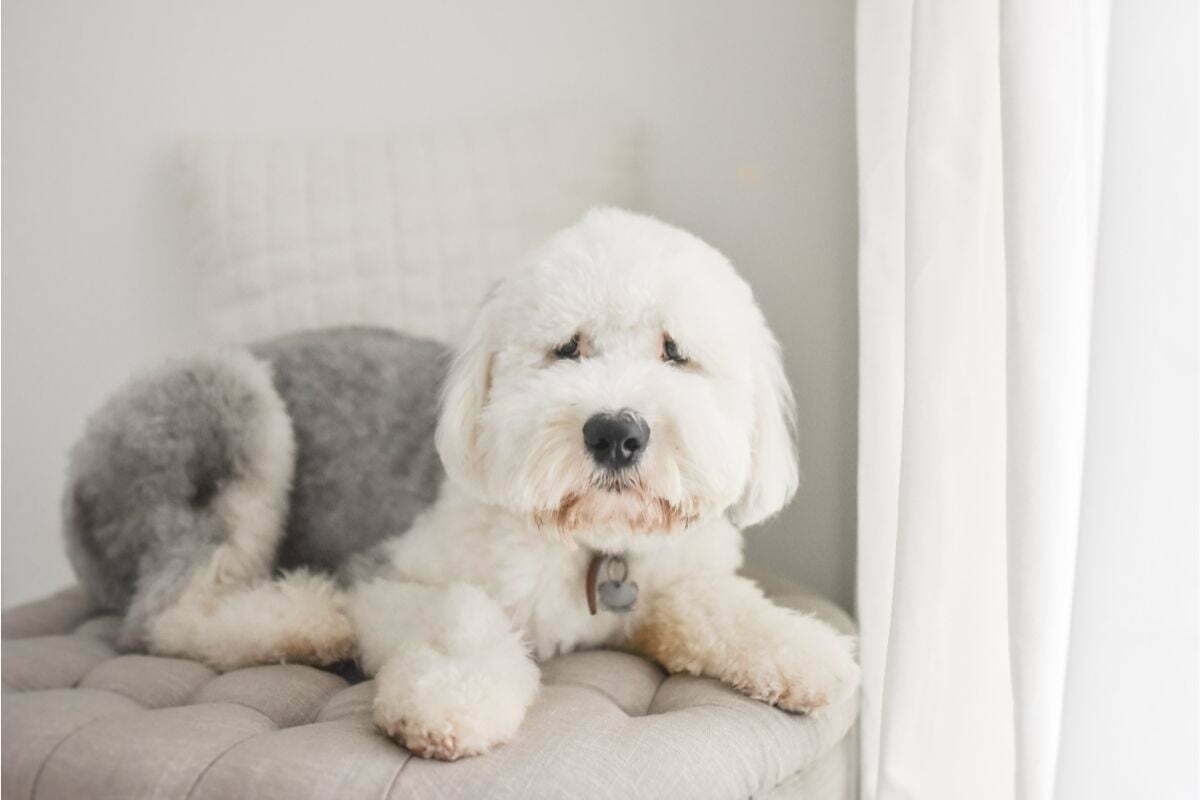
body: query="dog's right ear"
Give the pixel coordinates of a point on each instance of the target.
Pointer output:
(463, 398)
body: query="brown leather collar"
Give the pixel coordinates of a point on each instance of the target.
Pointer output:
(593, 570)
(616, 592)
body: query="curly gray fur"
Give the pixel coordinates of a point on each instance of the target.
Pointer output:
(138, 508)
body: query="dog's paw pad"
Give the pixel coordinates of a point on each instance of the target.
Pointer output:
(430, 744)
(445, 741)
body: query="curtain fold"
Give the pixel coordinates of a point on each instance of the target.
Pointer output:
(988, 347)
(1052, 92)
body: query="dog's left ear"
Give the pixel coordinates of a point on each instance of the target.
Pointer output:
(774, 473)
(463, 398)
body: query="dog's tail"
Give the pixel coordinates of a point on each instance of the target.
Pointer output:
(180, 479)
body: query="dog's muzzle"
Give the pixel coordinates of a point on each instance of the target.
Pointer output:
(616, 441)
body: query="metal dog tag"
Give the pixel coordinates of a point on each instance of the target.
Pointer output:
(618, 596)
(617, 593)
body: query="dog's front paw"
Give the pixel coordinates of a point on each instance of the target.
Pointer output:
(807, 666)
(444, 740)
(773, 654)
(448, 707)
(813, 682)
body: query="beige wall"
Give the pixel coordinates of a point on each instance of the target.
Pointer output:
(749, 107)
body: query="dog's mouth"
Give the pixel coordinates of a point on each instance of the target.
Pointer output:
(619, 501)
(616, 482)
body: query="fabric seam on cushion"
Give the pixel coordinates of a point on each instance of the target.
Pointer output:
(75, 685)
(604, 694)
(312, 718)
(818, 753)
(33, 788)
(739, 716)
(796, 714)
(258, 711)
(186, 702)
(221, 755)
(657, 689)
(10, 612)
(79, 680)
(396, 778)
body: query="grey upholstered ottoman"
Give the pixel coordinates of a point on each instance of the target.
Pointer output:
(81, 721)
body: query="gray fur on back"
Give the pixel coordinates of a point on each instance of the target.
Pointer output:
(364, 405)
(138, 506)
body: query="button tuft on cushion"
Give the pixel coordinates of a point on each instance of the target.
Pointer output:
(686, 691)
(150, 680)
(290, 694)
(50, 662)
(356, 699)
(628, 680)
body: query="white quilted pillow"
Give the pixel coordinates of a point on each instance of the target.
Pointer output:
(406, 230)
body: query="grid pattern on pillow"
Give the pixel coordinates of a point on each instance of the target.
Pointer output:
(406, 230)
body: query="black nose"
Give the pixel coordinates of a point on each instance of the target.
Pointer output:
(616, 440)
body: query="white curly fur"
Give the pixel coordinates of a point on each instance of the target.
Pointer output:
(299, 618)
(494, 572)
(492, 576)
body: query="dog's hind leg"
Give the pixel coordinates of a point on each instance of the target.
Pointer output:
(296, 618)
(175, 509)
(231, 613)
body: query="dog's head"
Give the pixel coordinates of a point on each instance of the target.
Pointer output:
(623, 382)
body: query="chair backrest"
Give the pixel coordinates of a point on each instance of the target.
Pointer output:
(406, 230)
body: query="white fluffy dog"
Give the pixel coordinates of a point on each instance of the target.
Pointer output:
(621, 395)
(617, 414)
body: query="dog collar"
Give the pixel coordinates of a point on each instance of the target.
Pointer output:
(616, 592)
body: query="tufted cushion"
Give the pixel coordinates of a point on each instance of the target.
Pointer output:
(403, 230)
(79, 720)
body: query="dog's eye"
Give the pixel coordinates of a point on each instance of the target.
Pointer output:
(671, 352)
(568, 349)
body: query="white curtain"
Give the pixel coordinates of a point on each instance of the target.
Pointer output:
(1028, 543)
